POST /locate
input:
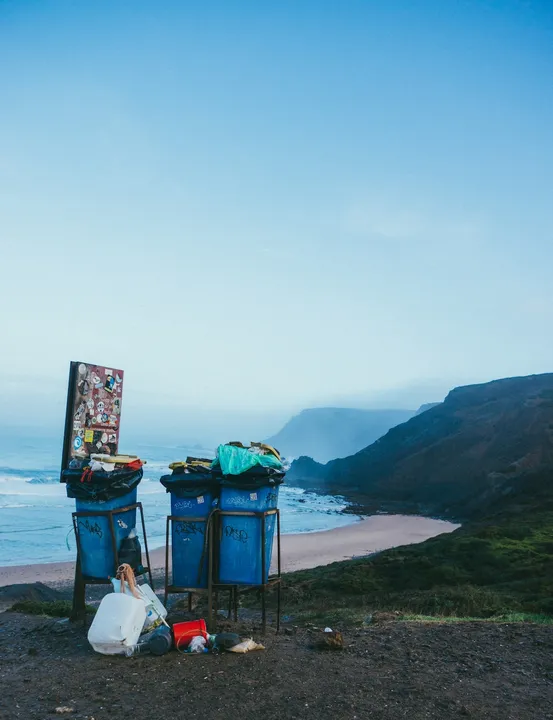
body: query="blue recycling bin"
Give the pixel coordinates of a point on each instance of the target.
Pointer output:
(192, 496)
(97, 492)
(96, 546)
(240, 537)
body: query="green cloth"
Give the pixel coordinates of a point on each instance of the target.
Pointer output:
(235, 460)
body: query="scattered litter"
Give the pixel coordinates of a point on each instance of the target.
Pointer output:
(224, 641)
(125, 582)
(183, 632)
(197, 645)
(62, 709)
(246, 646)
(156, 642)
(327, 629)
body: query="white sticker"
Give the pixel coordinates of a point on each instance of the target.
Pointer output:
(108, 372)
(253, 496)
(200, 499)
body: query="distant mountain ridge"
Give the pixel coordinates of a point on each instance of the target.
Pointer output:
(425, 407)
(328, 433)
(485, 444)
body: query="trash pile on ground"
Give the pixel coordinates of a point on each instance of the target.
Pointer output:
(132, 620)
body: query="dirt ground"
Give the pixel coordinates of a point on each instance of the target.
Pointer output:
(389, 671)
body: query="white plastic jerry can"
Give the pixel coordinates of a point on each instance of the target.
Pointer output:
(117, 624)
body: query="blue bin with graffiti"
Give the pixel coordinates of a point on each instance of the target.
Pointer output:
(95, 540)
(94, 494)
(240, 560)
(193, 496)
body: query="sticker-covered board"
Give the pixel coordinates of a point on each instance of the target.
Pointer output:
(93, 412)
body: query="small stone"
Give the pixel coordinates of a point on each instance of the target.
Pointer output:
(63, 709)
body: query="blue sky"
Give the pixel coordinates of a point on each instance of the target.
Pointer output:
(255, 207)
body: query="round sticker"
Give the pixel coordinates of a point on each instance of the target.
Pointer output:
(104, 437)
(77, 442)
(104, 418)
(82, 369)
(101, 407)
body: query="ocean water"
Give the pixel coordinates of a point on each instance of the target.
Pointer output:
(35, 513)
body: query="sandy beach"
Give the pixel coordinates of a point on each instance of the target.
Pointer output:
(299, 552)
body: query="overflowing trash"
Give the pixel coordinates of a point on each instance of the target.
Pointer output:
(236, 459)
(103, 477)
(132, 621)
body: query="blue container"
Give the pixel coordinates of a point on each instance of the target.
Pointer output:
(96, 549)
(240, 537)
(189, 549)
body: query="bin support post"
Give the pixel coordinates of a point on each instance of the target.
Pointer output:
(263, 519)
(210, 568)
(147, 552)
(168, 522)
(278, 571)
(78, 611)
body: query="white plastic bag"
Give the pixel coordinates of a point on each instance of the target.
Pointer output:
(197, 644)
(117, 624)
(155, 612)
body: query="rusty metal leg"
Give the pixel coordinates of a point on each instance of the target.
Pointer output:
(78, 612)
(279, 567)
(216, 609)
(210, 570)
(147, 552)
(167, 525)
(235, 591)
(263, 610)
(230, 603)
(264, 569)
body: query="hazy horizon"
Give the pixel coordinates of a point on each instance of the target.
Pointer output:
(259, 208)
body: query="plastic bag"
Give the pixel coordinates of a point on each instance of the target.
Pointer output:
(197, 645)
(234, 460)
(246, 646)
(101, 485)
(155, 611)
(130, 551)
